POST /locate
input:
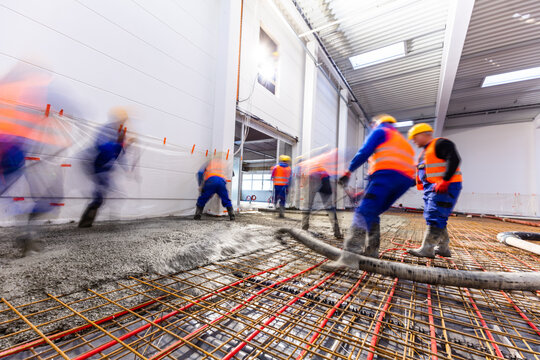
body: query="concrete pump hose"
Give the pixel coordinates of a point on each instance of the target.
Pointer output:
(428, 275)
(519, 239)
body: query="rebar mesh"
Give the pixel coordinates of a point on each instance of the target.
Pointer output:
(277, 304)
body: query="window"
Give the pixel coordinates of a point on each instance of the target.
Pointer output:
(267, 62)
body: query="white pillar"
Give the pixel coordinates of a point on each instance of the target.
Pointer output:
(342, 144)
(535, 162)
(226, 71)
(310, 92)
(225, 88)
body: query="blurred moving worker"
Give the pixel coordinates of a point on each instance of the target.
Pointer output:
(281, 176)
(316, 173)
(109, 145)
(212, 180)
(30, 141)
(439, 176)
(391, 174)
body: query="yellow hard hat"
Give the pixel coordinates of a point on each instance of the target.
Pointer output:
(382, 118)
(419, 128)
(284, 158)
(118, 114)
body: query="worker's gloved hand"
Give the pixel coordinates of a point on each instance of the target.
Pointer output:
(441, 186)
(344, 180)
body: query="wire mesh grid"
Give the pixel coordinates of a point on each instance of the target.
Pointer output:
(278, 304)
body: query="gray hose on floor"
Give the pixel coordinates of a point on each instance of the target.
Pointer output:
(428, 275)
(519, 239)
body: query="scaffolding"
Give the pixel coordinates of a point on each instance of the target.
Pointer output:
(278, 304)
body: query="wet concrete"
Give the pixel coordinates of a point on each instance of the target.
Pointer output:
(75, 259)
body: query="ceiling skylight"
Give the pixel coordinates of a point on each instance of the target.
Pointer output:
(513, 76)
(378, 56)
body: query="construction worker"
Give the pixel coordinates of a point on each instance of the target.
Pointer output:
(281, 176)
(25, 129)
(391, 174)
(316, 172)
(212, 180)
(108, 147)
(439, 176)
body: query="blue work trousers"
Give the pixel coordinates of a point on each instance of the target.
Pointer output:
(383, 189)
(439, 206)
(280, 194)
(214, 185)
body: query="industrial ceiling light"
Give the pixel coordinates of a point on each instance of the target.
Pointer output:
(378, 56)
(510, 77)
(404, 123)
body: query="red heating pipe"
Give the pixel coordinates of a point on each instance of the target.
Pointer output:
(480, 317)
(165, 317)
(334, 309)
(382, 314)
(173, 346)
(274, 317)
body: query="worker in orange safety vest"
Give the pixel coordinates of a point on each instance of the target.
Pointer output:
(391, 174)
(281, 176)
(439, 175)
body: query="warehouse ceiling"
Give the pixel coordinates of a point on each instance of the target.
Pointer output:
(419, 85)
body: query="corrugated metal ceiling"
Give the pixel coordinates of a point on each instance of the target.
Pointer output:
(406, 87)
(503, 36)
(498, 40)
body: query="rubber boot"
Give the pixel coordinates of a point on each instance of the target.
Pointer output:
(87, 219)
(230, 210)
(354, 244)
(373, 241)
(335, 224)
(443, 249)
(305, 221)
(198, 213)
(431, 239)
(281, 210)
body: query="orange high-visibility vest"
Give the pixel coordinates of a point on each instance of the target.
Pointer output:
(393, 154)
(435, 168)
(21, 111)
(216, 167)
(281, 175)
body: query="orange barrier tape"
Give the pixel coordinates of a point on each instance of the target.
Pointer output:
(65, 165)
(31, 158)
(206, 153)
(47, 110)
(18, 199)
(227, 157)
(193, 148)
(164, 140)
(61, 113)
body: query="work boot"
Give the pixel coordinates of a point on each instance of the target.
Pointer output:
(353, 244)
(87, 219)
(198, 213)
(305, 221)
(443, 249)
(373, 241)
(431, 239)
(281, 210)
(230, 210)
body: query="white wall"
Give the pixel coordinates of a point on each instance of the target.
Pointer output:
(156, 58)
(283, 110)
(324, 128)
(498, 165)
